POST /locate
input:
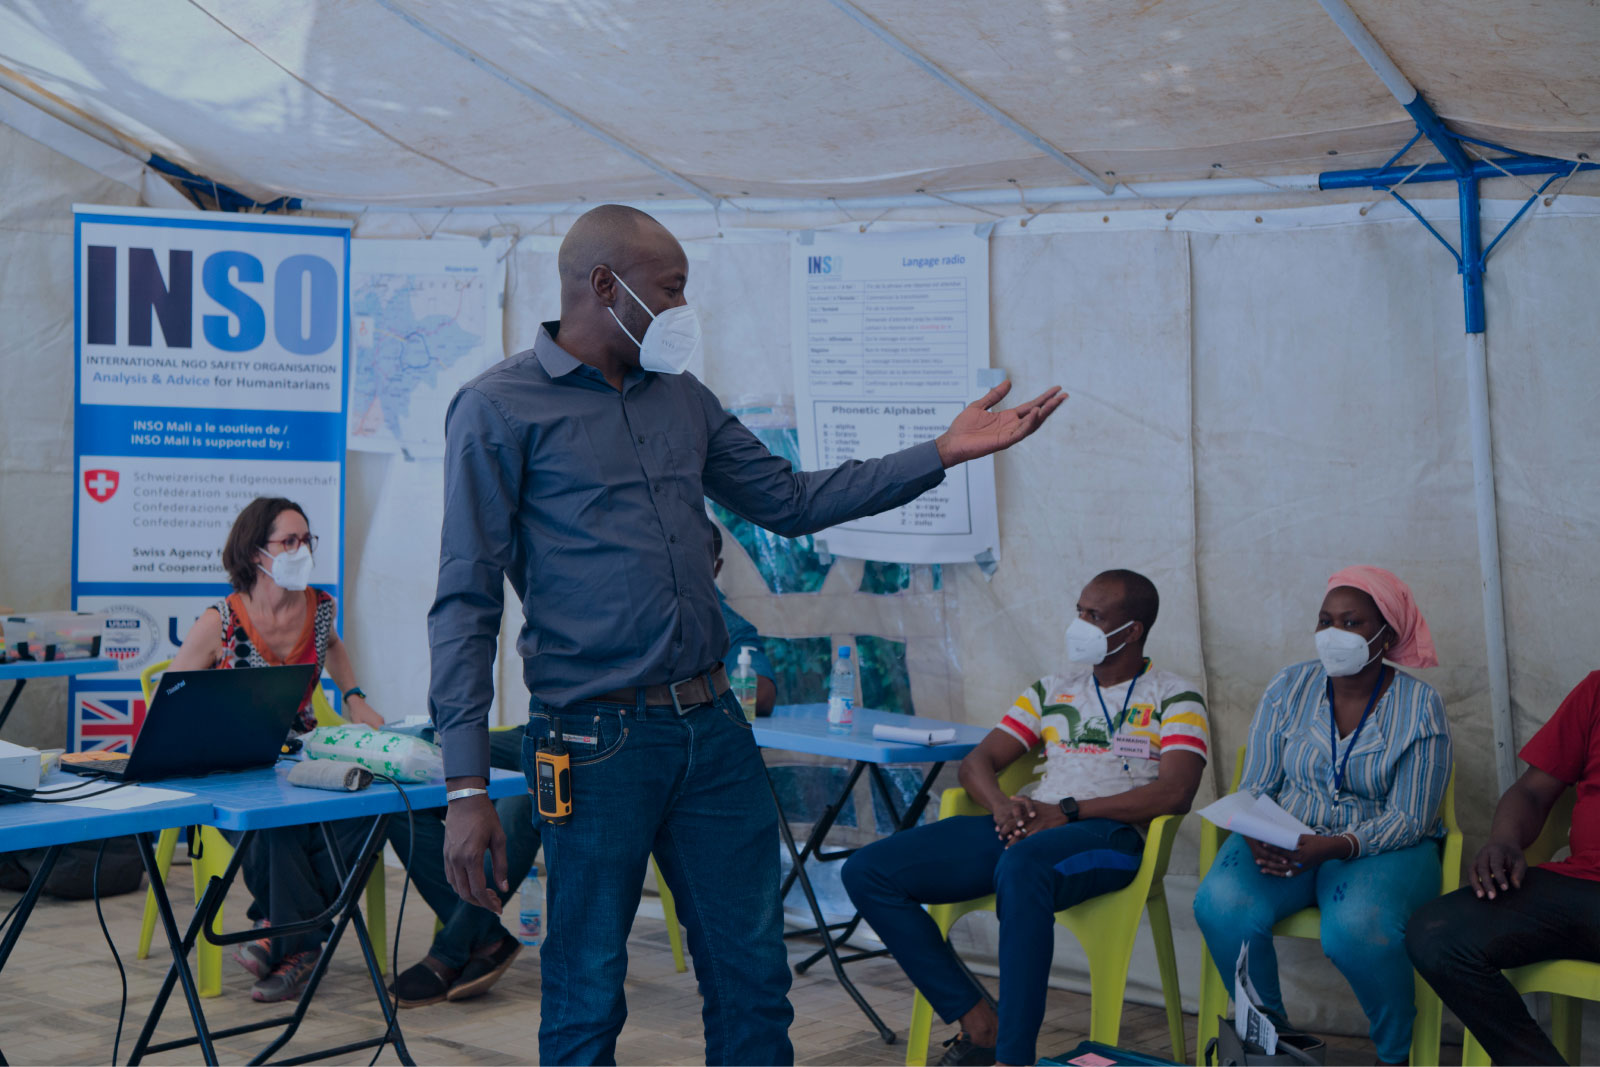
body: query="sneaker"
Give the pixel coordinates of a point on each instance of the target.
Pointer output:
(256, 956)
(485, 968)
(288, 978)
(960, 1050)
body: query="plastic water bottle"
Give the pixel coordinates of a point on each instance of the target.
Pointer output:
(400, 756)
(529, 920)
(842, 692)
(744, 683)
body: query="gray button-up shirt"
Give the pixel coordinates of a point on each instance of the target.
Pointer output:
(592, 502)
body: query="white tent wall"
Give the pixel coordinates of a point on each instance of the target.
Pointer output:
(38, 187)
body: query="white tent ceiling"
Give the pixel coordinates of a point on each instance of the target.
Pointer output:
(436, 102)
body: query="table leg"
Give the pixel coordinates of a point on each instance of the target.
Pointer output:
(819, 830)
(180, 954)
(900, 821)
(800, 875)
(11, 701)
(24, 907)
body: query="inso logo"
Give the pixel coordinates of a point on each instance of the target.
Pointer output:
(304, 300)
(824, 264)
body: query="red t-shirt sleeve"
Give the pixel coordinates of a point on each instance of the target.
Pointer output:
(1561, 747)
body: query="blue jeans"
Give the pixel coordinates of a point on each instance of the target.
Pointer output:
(692, 790)
(962, 858)
(467, 927)
(1364, 902)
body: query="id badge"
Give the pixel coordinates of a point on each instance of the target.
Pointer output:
(1130, 747)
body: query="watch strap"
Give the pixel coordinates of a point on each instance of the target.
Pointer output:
(462, 794)
(1069, 808)
(354, 691)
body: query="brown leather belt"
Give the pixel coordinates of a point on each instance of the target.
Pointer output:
(689, 693)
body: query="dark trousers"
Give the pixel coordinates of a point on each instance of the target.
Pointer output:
(962, 858)
(1460, 944)
(691, 790)
(467, 927)
(291, 876)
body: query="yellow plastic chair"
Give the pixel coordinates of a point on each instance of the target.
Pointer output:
(1569, 982)
(1105, 925)
(212, 861)
(1307, 923)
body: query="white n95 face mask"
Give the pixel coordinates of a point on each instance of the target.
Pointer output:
(1344, 653)
(1086, 642)
(291, 570)
(672, 340)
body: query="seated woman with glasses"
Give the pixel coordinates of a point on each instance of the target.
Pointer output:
(273, 618)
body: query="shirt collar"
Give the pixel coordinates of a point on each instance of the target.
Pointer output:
(555, 360)
(558, 362)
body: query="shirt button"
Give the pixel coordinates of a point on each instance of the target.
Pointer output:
(641, 439)
(673, 539)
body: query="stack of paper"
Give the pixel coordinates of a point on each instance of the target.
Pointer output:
(1256, 817)
(913, 735)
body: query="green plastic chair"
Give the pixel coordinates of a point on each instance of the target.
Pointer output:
(1104, 925)
(211, 861)
(1307, 923)
(1569, 982)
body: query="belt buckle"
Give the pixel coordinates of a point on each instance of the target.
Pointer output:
(672, 687)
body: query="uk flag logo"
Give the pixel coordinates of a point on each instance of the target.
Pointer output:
(106, 723)
(101, 484)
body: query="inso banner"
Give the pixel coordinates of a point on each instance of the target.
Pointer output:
(211, 359)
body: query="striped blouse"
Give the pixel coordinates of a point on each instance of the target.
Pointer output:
(1396, 775)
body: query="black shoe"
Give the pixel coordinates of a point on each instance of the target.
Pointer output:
(959, 1051)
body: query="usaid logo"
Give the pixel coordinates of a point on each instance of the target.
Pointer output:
(824, 264)
(299, 302)
(131, 636)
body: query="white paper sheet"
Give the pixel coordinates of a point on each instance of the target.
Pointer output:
(890, 337)
(128, 796)
(912, 735)
(1256, 817)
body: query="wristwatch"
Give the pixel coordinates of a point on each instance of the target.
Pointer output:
(1069, 808)
(462, 794)
(354, 691)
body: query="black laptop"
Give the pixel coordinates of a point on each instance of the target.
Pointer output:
(200, 722)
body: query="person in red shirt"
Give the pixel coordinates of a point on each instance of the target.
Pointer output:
(1509, 915)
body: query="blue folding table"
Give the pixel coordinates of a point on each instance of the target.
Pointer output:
(53, 826)
(805, 728)
(20, 671)
(252, 801)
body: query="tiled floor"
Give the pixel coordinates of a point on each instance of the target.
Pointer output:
(59, 998)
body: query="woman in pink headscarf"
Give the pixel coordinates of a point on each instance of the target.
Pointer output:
(1360, 752)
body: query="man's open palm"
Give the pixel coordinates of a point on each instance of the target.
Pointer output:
(978, 431)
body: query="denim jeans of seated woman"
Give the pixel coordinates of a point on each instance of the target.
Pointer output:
(1364, 902)
(467, 927)
(692, 790)
(963, 858)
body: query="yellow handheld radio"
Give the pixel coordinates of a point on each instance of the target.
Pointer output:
(554, 774)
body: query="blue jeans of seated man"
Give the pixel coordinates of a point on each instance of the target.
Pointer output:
(962, 858)
(693, 791)
(1364, 902)
(467, 927)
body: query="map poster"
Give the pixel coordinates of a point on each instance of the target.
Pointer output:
(890, 339)
(424, 320)
(211, 351)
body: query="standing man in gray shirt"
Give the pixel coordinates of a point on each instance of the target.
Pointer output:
(578, 470)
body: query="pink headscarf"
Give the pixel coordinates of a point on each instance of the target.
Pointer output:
(1413, 645)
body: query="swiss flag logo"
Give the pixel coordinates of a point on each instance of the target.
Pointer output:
(101, 484)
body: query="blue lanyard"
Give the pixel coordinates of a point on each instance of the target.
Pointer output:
(1111, 730)
(1333, 732)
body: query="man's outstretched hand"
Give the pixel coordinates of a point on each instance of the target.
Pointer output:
(978, 431)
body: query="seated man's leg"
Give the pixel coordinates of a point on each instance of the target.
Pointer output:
(1038, 876)
(944, 862)
(1460, 944)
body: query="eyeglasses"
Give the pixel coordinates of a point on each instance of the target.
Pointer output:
(292, 542)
